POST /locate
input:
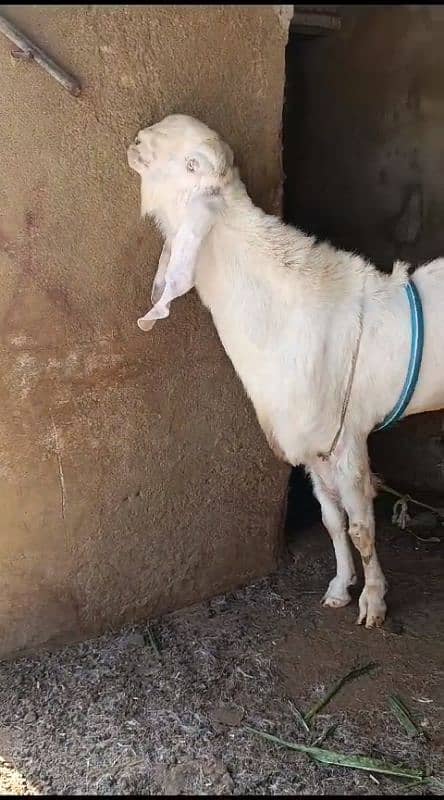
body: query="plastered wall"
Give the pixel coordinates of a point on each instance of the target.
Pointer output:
(134, 478)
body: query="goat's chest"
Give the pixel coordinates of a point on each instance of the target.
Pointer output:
(276, 351)
(245, 316)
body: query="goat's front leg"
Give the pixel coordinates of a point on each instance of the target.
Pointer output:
(333, 518)
(357, 494)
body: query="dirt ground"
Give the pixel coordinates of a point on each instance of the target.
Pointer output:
(113, 716)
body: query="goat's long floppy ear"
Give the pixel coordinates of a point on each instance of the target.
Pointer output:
(178, 274)
(159, 278)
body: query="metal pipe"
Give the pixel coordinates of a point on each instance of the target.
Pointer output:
(29, 50)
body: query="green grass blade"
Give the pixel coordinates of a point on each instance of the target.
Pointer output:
(332, 758)
(404, 716)
(300, 718)
(354, 673)
(437, 783)
(153, 643)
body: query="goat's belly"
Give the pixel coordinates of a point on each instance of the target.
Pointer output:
(429, 393)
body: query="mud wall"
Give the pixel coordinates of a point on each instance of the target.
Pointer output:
(134, 478)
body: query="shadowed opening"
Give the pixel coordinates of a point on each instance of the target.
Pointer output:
(362, 154)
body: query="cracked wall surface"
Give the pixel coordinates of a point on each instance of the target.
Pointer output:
(134, 477)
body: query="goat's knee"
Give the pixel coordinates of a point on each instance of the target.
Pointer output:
(357, 493)
(363, 540)
(372, 607)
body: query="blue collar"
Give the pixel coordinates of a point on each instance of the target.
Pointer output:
(417, 344)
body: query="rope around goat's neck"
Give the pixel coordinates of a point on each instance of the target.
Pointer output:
(326, 456)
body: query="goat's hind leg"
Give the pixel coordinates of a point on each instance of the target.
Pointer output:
(333, 518)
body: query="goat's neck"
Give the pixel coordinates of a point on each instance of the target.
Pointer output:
(248, 274)
(252, 247)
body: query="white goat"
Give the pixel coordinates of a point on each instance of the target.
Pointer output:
(290, 312)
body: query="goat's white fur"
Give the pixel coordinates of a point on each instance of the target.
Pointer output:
(287, 312)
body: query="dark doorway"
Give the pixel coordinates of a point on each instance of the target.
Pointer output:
(363, 153)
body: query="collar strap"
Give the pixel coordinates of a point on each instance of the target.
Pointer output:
(416, 349)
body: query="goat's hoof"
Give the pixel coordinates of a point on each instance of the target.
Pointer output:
(328, 601)
(372, 610)
(336, 596)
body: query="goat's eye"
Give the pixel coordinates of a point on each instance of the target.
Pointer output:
(137, 140)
